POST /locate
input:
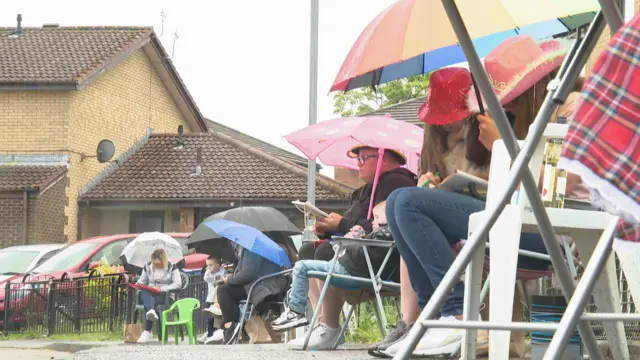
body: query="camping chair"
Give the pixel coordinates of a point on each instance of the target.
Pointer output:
(247, 307)
(348, 282)
(169, 297)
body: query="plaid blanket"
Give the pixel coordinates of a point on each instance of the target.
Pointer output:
(603, 142)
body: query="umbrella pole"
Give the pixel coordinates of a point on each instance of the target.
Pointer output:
(375, 181)
(313, 94)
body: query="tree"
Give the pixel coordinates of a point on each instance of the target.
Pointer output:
(363, 100)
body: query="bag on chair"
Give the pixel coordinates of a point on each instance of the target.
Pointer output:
(132, 332)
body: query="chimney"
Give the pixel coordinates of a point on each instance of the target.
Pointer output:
(50, 26)
(180, 142)
(198, 161)
(19, 30)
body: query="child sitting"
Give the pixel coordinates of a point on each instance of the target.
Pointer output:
(213, 274)
(351, 261)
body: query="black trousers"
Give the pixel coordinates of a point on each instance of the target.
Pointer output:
(229, 297)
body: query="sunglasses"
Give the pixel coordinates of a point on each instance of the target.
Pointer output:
(362, 158)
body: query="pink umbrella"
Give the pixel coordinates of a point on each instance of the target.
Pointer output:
(329, 141)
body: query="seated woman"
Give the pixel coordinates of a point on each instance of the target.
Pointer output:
(236, 286)
(351, 261)
(163, 276)
(426, 222)
(393, 176)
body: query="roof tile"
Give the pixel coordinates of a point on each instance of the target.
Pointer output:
(404, 111)
(28, 177)
(230, 170)
(62, 55)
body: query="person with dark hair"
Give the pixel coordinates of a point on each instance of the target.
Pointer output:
(426, 221)
(234, 287)
(212, 275)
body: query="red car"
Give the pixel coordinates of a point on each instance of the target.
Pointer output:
(80, 257)
(76, 259)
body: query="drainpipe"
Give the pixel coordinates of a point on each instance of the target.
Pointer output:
(25, 209)
(81, 209)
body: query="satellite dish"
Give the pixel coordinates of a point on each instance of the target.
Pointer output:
(105, 151)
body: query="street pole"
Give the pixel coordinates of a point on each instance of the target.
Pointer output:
(313, 94)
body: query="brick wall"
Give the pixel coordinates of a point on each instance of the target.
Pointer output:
(11, 215)
(33, 120)
(50, 215)
(120, 106)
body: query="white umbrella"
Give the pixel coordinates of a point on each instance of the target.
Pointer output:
(138, 252)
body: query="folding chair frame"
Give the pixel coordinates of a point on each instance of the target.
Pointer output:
(247, 305)
(558, 91)
(375, 280)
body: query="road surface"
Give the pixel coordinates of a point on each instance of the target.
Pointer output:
(28, 354)
(238, 352)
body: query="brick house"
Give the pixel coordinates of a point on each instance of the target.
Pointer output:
(32, 202)
(168, 183)
(63, 89)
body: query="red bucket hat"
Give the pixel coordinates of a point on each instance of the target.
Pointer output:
(517, 64)
(446, 100)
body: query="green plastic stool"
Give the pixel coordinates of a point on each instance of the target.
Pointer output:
(185, 317)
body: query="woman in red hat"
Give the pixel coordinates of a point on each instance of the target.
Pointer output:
(426, 223)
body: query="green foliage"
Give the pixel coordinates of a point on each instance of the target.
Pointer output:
(367, 330)
(100, 290)
(363, 100)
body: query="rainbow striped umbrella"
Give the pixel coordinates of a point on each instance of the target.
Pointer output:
(413, 37)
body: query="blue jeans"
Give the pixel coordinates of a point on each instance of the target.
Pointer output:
(300, 284)
(149, 301)
(425, 223)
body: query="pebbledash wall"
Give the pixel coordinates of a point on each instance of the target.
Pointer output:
(120, 105)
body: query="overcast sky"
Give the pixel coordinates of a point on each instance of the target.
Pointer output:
(246, 63)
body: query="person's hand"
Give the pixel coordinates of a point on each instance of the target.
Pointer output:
(225, 279)
(332, 222)
(488, 130)
(429, 176)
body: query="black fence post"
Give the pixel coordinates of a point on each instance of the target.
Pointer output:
(51, 308)
(114, 302)
(78, 315)
(7, 306)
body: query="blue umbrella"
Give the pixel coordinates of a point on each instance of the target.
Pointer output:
(251, 239)
(449, 55)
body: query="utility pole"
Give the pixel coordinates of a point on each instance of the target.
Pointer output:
(313, 93)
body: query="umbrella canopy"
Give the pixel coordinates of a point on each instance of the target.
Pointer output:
(251, 239)
(266, 219)
(414, 37)
(137, 253)
(330, 140)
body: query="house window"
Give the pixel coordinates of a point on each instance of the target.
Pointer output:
(145, 221)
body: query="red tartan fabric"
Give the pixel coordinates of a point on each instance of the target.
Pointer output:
(603, 142)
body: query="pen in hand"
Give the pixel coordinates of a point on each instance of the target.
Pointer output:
(429, 181)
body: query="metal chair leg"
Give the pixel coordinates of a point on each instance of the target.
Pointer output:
(580, 297)
(343, 329)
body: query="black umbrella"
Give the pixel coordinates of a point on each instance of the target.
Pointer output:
(266, 219)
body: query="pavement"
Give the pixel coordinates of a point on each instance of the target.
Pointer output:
(30, 354)
(238, 352)
(117, 350)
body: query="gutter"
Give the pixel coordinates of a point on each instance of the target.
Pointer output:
(25, 209)
(38, 87)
